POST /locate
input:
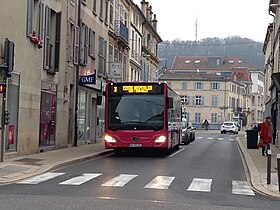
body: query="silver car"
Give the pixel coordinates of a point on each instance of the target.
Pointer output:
(188, 132)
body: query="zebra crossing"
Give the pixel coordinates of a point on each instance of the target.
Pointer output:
(212, 138)
(159, 182)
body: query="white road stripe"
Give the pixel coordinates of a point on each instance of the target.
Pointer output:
(231, 139)
(220, 139)
(40, 178)
(241, 188)
(80, 179)
(199, 137)
(201, 185)
(119, 181)
(177, 152)
(160, 182)
(209, 138)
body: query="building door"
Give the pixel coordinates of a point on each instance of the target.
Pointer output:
(48, 114)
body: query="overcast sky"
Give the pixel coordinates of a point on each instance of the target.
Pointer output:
(215, 18)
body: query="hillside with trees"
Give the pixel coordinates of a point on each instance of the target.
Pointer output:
(235, 46)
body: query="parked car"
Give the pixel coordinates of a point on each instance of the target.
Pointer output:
(188, 132)
(229, 127)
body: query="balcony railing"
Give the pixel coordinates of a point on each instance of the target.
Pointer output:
(121, 30)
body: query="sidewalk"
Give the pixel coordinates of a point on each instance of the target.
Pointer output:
(257, 167)
(20, 167)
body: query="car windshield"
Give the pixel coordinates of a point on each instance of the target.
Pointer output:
(228, 124)
(144, 112)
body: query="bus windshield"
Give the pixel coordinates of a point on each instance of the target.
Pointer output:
(136, 112)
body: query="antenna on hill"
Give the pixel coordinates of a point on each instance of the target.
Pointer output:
(196, 25)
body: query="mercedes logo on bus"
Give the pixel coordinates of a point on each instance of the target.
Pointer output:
(135, 138)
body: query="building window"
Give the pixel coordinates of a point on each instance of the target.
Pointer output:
(184, 86)
(186, 115)
(111, 12)
(215, 86)
(214, 101)
(185, 100)
(198, 100)
(198, 86)
(197, 117)
(94, 6)
(52, 40)
(91, 47)
(214, 117)
(102, 56)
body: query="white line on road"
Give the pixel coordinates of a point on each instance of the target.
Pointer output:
(199, 137)
(220, 139)
(40, 178)
(175, 153)
(201, 185)
(160, 182)
(231, 139)
(80, 179)
(119, 181)
(209, 137)
(241, 188)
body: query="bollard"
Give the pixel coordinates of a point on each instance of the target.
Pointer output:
(278, 169)
(268, 166)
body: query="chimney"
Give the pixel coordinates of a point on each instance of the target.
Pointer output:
(154, 22)
(144, 7)
(149, 14)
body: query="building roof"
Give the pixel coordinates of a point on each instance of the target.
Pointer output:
(171, 75)
(206, 63)
(241, 74)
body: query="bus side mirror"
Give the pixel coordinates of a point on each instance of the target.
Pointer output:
(169, 103)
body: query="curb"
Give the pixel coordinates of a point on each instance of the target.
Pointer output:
(12, 178)
(253, 174)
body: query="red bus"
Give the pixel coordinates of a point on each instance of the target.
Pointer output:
(142, 115)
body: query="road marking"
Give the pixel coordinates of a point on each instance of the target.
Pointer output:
(40, 178)
(119, 181)
(241, 188)
(209, 137)
(80, 179)
(199, 137)
(200, 185)
(231, 139)
(175, 153)
(220, 139)
(160, 182)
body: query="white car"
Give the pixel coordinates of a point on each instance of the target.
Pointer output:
(229, 127)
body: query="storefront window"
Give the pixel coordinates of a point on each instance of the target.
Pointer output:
(12, 108)
(48, 114)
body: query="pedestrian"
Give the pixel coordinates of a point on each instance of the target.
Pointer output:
(205, 124)
(266, 134)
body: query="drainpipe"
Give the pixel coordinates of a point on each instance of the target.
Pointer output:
(77, 78)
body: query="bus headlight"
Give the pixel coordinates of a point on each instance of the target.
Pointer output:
(109, 139)
(160, 139)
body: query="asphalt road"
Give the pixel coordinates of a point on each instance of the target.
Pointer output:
(207, 174)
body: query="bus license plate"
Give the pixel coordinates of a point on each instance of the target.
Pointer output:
(135, 145)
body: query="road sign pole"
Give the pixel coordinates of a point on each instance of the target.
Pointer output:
(3, 124)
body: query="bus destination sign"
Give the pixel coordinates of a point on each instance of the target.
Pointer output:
(135, 89)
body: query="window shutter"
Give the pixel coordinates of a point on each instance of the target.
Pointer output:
(218, 86)
(76, 49)
(201, 86)
(30, 14)
(47, 39)
(202, 100)
(193, 100)
(86, 45)
(194, 85)
(57, 42)
(41, 21)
